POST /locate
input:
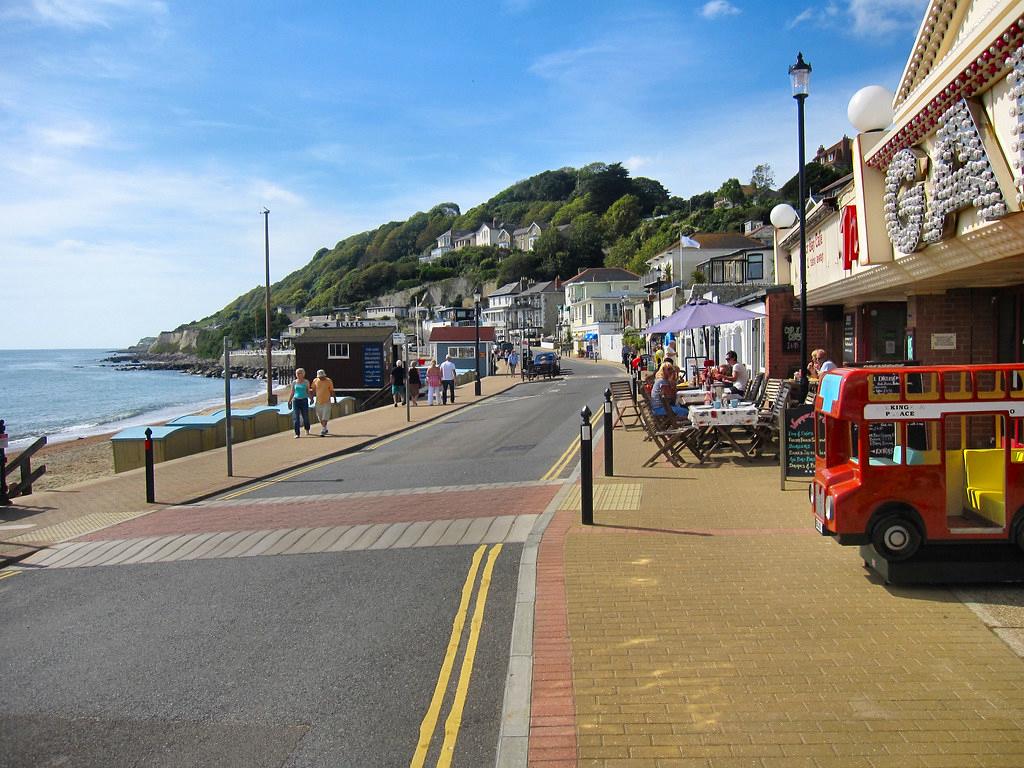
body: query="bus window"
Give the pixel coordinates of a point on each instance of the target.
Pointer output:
(922, 386)
(956, 385)
(883, 387)
(1017, 382)
(882, 444)
(921, 443)
(819, 436)
(990, 385)
(854, 442)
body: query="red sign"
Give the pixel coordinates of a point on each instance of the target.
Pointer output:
(851, 242)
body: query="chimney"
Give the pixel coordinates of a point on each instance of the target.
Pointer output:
(494, 223)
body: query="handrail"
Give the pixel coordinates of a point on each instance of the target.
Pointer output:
(386, 389)
(28, 476)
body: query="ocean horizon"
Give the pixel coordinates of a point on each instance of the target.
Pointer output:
(66, 394)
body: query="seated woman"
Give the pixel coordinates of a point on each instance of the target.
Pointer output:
(663, 393)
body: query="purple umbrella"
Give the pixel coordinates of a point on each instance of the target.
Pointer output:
(701, 313)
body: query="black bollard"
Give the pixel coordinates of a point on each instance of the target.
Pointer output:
(609, 464)
(150, 492)
(636, 382)
(5, 500)
(586, 468)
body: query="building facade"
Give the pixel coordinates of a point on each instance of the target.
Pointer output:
(595, 300)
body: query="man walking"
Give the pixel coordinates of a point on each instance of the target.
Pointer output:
(323, 392)
(447, 379)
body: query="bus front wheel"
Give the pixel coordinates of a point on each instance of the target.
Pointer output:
(895, 538)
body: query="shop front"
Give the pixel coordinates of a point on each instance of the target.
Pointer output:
(921, 257)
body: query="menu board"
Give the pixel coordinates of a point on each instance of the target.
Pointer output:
(373, 365)
(791, 337)
(881, 439)
(885, 384)
(849, 348)
(799, 426)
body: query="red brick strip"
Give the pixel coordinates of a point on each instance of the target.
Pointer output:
(553, 708)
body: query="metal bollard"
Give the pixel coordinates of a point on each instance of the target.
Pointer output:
(586, 468)
(150, 492)
(636, 383)
(609, 463)
(5, 500)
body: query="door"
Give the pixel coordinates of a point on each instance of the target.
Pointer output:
(887, 326)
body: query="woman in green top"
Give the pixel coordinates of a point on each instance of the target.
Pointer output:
(298, 400)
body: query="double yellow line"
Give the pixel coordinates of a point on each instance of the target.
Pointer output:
(454, 719)
(570, 453)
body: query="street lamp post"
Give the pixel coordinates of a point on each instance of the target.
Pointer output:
(271, 399)
(476, 350)
(800, 74)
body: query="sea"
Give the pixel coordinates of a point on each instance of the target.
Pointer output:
(70, 393)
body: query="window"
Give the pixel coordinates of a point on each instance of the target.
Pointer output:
(755, 266)
(854, 443)
(819, 436)
(462, 352)
(882, 444)
(337, 351)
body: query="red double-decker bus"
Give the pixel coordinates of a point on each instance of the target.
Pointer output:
(907, 456)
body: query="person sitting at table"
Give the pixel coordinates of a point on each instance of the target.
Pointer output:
(738, 376)
(664, 392)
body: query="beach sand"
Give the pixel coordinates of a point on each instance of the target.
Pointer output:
(91, 457)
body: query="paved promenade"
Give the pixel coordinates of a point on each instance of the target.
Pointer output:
(71, 512)
(703, 623)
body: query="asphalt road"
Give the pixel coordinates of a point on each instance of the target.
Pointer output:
(300, 660)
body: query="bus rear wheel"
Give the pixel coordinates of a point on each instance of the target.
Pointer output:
(895, 538)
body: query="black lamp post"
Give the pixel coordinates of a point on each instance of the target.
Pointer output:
(800, 74)
(657, 284)
(476, 350)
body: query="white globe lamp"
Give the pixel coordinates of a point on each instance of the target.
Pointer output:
(783, 216)
(870, 109)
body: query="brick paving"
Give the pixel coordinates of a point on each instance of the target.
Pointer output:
(712, 628)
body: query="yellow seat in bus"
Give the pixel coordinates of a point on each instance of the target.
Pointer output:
(985, 470)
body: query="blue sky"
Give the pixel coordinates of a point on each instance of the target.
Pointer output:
(139, 139)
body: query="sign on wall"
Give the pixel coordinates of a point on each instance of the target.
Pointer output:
(849, 339)
(943, 341)
(373, 365)
(791, 337)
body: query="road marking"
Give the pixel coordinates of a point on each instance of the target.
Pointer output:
(8, 574)
(433, 710)
(454, 720)
(563, 461)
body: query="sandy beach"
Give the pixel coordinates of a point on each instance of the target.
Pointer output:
(91, 457)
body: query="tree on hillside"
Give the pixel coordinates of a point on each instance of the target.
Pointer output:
(762, 179)
(575, 207)
(818, 177)
(603, 185)
(652, 196)
(585, 241)
(516, 266)
(732, 191)
(621, 218)
(552, 251)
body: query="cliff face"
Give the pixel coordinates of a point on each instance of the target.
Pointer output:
(175, 341)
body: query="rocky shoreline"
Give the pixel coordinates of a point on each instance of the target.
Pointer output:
(190, 364)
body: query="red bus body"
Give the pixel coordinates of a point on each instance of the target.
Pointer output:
(910, 455)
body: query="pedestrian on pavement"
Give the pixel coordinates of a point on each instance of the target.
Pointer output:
(298, 400)
(513, 361)
(626, 356)
(323, 392)
(433, 383)
(447, 379)
(412, 385)
(398, 383)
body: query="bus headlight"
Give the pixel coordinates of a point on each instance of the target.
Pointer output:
(830, 507)
(810, 493)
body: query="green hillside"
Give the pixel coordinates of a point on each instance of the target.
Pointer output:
(613, 219)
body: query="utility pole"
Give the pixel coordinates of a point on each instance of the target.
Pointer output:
(271, 399)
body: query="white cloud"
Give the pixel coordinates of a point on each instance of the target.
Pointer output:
(635, 163)
(77, 14)
(714, 9)
(883, 17)
(70, 136)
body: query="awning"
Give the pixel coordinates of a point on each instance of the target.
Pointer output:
(590, 336)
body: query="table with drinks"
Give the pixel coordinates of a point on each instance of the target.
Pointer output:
(726, 420)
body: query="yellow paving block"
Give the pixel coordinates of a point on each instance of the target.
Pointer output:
(72, 529)
(624, 497)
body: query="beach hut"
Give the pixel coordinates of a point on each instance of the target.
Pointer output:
(169, 442)
(210, 428)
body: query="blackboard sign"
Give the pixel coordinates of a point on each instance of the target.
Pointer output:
(885, 383)
(881, 439)
(849, 349)
(373, 365)
(791, 337)
(799, 426)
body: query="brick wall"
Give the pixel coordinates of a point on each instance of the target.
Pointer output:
(969, 313)
(781, 307)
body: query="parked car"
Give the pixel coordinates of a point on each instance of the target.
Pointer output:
(545, 364)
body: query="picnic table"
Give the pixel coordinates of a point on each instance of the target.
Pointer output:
(726, 425)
